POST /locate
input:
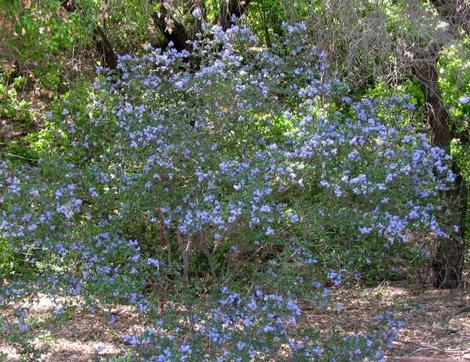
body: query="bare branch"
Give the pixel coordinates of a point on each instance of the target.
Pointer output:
(455, 12)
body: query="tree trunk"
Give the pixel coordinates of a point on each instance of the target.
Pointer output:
(448, 259)
(449, 255)
(104, 48)
(230, 9)
(101, 42)
(172, 30)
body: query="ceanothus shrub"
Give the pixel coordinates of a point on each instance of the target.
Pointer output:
(187, 155)
(192, 143)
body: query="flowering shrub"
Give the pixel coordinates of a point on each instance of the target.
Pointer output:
(187, 164)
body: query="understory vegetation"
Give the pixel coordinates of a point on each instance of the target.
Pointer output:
(220, 187)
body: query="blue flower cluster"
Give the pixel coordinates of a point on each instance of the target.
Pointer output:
(393, 176)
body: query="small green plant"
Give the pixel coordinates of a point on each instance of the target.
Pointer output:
(12, 106)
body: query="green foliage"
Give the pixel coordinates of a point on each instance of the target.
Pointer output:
(47, 38)
(265, 18)
(41, 35)
(12, 106)
(8, 261)
(454, 82)
(127, 23)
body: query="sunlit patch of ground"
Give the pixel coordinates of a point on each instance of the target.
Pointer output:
(79, 335)
(437, 324)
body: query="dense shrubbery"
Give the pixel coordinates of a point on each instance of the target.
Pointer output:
(191, 166)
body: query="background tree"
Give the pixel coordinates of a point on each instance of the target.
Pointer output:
(449, 256)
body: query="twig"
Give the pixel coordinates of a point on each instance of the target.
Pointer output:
(423, 346)
(21, 157)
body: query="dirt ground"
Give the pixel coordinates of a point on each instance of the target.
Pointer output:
(437, 324)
